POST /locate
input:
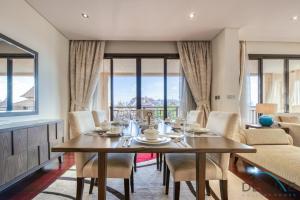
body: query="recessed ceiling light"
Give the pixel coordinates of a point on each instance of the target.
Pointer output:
(192, 15)
(84, 15)
(295, 18)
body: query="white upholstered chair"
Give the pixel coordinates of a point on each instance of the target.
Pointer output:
(193, 116)
(99, 117)
(118, 165)
(183, 167)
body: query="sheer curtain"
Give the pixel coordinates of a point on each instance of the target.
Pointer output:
(101, 96)
(84, 62)
(273, 89)
(294, 77)
(195, 57)
(244, 83)
(187, 102)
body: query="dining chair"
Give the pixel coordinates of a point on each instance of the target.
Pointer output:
(193, 116)
(182, 167)
(118, 165)
(99, 117)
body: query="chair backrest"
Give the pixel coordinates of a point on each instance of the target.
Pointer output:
(226, 125)
(81, 122)
(99, 117)
(193, 116)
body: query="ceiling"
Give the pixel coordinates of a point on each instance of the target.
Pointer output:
(168, 20)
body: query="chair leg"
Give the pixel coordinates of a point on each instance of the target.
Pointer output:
(160, 161)
(132, 182)
(157, 161)
(164, 171)
(79, 189)
(207, 187)
(134, 161)
(224, 189)
(176, 190)
(167, 180)
(126, 188)
(236, 159)
(92, 185)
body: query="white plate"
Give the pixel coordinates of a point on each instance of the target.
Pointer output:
(109, 133)
(160, 140)
(198, 130)
(174, 135)
(101, 130)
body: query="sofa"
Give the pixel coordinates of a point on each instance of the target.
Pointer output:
(292, 122)
(276, 154)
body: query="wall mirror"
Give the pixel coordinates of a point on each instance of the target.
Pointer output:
(18, 78)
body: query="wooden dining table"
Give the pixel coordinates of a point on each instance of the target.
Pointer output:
(200, 146)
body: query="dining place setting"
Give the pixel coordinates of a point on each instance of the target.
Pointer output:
(109, 149)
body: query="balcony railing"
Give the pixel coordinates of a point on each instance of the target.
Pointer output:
(120, 112)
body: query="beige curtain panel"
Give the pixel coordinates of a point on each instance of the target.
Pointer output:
(84, 62)
(195, 57)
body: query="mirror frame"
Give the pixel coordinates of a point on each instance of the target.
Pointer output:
(35, 55)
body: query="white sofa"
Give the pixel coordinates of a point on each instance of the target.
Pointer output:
(292, 122)
(276, 154)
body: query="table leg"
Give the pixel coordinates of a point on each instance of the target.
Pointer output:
(200, 175)
(102, 160)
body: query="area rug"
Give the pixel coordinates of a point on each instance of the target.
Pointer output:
(148, 186)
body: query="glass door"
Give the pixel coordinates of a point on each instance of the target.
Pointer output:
(152, 85)
(124, 87)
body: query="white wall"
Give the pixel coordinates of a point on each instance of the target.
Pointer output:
(225, 76)
(22, 23)
(140, 47)
(273, 48)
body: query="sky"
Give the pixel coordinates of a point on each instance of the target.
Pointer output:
(152, 86)
(21, 84)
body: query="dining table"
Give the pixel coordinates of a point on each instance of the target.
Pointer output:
(198, 144)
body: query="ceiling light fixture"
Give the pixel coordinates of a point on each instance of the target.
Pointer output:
(192, 15)
(84, 15)
(295, 18)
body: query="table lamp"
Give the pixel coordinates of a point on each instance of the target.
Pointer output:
(266, 109)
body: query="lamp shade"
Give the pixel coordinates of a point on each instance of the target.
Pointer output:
(266, 108)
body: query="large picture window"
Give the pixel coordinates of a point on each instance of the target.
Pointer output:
(278, 81)
(147, 81)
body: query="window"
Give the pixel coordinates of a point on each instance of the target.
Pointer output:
(152, 85)
(148, 81)
(294, 85)
(173, 87)
(273, 82)
(124, 88)
(278, 81)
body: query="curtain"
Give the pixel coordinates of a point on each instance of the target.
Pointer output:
(294, 77)
(84, 62)
(187, 102)
(195, 57)
(244, 96)
(273, 89)
(101, 97)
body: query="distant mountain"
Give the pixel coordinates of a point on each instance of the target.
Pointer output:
(147, 102)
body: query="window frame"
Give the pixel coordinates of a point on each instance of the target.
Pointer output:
(286, 58)
(138, 58)
(9, 56)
